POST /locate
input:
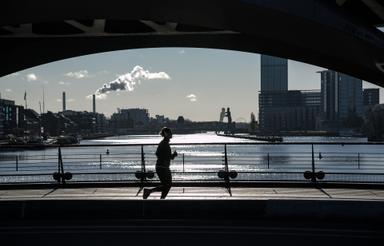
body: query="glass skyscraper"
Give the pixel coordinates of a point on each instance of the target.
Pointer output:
(274, 73)
(342, 95)
(280, 109)
(274, 81)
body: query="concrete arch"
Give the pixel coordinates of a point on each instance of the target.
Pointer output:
(312, 31)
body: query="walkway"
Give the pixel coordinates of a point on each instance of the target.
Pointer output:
(192, 216)
(196, 193)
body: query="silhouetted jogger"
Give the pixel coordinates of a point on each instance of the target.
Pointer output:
(164, 157)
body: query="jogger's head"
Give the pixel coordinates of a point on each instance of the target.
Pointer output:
(166, 132)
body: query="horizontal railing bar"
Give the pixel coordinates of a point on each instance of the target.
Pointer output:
(242, 183)
(96, 158)
(234, 162)
(197, 181)
(21, 156)
(213, 143)
(193, 172)
(274, 163)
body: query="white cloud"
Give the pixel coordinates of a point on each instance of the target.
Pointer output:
(181, 52)
(192, 97)
(8, 90)
(31, 77)
(78, 74)
(128, 81)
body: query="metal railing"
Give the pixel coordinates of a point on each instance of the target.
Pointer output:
(225, 164)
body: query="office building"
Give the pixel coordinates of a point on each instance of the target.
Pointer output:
(130, 118)
(341, 97)
(350, 96)
(273, 93)
(280, 109)
(289, 111)
(11, 117)
(139, 116)
(85, 121)
(371, 97)
(274, 73)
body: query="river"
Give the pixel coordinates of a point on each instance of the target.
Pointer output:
(199, 153)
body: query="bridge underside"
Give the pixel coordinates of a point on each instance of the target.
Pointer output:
(337, 35)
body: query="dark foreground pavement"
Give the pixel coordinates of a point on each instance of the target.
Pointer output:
(192, 216)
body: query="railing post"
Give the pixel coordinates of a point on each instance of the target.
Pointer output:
(268, 160)
(100, 159)
(183, 163)
(313, 179)
(226, 170)
(183, 172)
(225, 158)
(60, 167)
(358, 160)
(142, 159)
(58, 164)
(313, 175)
(142, 175)
(17, 163)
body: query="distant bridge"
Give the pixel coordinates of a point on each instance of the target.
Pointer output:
(340, 35)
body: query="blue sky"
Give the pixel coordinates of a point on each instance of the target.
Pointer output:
(202, 81)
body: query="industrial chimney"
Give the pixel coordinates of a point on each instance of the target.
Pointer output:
(64, 102)
(94, 103)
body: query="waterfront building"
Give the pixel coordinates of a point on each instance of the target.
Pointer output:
(274, 73)
(273, 93)
(139, 116)
(289, 111)
(120, 120)
(11, 117)
(280, 109)
(371, 97)
(73, 122)
(51, 124)
(86, 122)
(32, 125)
(351, 96)
(160, 119)
(130, 118)
(341, 98)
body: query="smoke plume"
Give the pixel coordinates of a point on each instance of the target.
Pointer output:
(128, 81)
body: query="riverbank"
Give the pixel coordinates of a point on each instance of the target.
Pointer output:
(98, 136)
(254, 137)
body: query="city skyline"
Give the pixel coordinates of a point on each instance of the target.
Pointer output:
(195, 78)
